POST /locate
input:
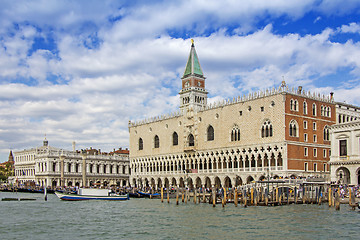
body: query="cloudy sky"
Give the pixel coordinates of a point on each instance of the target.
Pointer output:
(80, 70)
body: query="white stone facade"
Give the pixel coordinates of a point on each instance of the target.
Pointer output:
(345, 153)
(42, 166)
(346, 113)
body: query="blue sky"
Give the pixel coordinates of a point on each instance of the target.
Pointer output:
(80, 70)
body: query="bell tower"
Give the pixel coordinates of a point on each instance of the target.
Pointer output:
(193, 94)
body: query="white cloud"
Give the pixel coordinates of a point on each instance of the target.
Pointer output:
(133, 69)
(350, 28)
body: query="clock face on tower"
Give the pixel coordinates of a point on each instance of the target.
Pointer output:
(187, 84)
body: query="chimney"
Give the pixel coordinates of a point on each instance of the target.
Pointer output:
(331, 96)
(299, 89)
(73, 146)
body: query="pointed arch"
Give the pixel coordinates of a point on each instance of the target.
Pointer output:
(305, 107)
(314, 109)
(293, 128)
(175, 139)
(296, 105)
(266, 129)
(156, 141)
(141, 144)
(326, 133)
(210, 133)
(191, 140)
(235, 133)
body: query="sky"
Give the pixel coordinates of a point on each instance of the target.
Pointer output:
(80, 70)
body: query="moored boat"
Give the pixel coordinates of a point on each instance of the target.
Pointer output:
(149, 195)
(92, 194)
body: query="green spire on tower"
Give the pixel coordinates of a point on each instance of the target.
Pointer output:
(193, 65)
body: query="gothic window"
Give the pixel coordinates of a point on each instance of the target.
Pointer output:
(322, 110)
(235, 134)
(294, 129)
(305, 107)
(326, 133)
(296, 105)
(266, 129)
(54, 167)
(175, 139)
(210, 133)
(291, 104)
(141, 144)
(343, 147)
(156, 141)
(69, 167)
(191, 140)
(314, 109)
(328, 112)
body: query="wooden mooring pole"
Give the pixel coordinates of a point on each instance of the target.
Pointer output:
(266, 197)
(168, 195)
(195, 196)
(337, 201)
(235, 197)
(177, 196)
(162, 194)
(214, 196)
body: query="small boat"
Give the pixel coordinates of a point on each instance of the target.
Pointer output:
(135, 195)
(148, 195)
(92, 194)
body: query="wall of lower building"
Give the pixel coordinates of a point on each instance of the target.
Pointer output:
(308, 146)
(248, 116)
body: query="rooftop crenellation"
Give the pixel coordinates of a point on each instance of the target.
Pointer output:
(244, 98)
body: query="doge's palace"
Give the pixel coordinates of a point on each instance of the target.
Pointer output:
(276, 133)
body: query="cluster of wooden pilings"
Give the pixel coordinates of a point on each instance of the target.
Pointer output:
(263, 195)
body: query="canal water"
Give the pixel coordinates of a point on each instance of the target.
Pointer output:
(151, 219)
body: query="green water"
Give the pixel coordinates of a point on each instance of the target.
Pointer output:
(151, 219)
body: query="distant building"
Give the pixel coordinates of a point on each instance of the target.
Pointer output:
(43, 166)
(277, 133)
(345, 153)
(346, 112)
(8, 168)
(9, 161)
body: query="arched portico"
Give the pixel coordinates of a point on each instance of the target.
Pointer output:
(167, 184)
(198, 183)
(190, 184)
(159, 183)
(207, 182)
(217, 182)
(249, 179)
(227, 182)
(238, 181)
(343, 175)
(173, 182)
(182, 183)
